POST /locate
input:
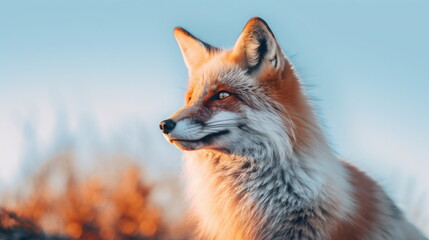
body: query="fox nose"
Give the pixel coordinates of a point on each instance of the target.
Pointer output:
(167, 126)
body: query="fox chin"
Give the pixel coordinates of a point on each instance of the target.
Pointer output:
(256, 161)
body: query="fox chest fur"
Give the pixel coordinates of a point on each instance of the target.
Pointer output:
(235, 198)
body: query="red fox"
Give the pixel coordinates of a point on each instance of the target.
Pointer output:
(256, 161)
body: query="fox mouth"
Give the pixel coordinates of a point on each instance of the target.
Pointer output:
(204, 139)
(193, 144)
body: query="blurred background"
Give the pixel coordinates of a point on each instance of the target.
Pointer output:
(84, 84)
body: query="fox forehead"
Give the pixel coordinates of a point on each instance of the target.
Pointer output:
(218, 74)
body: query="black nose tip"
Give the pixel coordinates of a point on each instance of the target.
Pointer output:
(167, 126)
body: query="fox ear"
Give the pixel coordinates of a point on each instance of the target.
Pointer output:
(255, 45)
(194, 51)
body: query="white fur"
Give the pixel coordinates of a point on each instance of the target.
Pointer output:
(186, 129)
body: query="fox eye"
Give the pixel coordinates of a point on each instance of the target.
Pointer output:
(222, 95)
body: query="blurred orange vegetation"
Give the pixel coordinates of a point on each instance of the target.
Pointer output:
(99, 207)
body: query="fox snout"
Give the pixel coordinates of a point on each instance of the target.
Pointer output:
(167, 126)
(191, 133)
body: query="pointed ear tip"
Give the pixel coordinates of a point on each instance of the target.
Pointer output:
(178, 30)
(257, 20)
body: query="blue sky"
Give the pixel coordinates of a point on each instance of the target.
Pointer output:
(102, 74)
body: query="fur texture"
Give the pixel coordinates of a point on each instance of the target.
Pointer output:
(256, 161)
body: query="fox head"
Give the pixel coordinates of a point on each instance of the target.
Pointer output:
(241, 101)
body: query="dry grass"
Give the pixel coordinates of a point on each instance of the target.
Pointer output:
(102, 206)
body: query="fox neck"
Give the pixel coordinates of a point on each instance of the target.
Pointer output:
(234, 190)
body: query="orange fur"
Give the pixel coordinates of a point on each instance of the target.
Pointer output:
(365, 216)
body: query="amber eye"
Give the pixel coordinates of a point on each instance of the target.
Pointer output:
(222, 95)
